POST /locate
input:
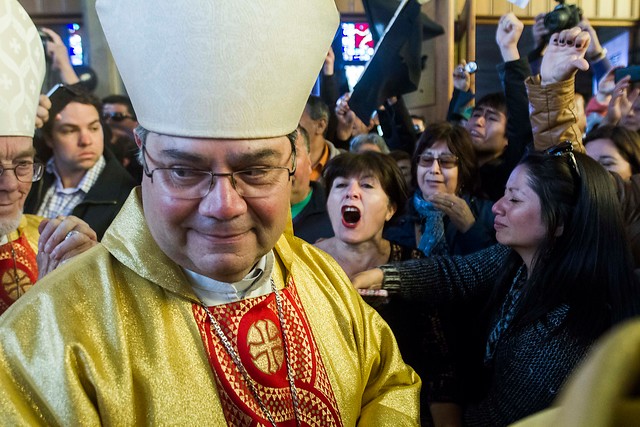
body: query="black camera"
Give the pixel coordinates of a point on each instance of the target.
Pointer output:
(45, 39)
(562, 17)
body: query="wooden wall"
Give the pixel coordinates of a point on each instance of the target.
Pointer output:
(626, 10)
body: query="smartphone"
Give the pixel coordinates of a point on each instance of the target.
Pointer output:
(60, 96)
(632, 70)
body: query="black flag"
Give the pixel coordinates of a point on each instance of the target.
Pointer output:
(396, 65)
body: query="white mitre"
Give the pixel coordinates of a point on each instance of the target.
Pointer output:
(219, 68)
(22, 69)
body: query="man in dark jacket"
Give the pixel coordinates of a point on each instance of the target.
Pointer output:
(81, 178)
(308, 201)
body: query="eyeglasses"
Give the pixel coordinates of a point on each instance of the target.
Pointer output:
(447, 161)
(186, 183)
(116, 117)
(25, 171)
(565, 147)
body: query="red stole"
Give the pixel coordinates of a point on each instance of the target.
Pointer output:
(24, 266)
(253, 329)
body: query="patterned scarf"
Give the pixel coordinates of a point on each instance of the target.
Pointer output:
(432, 226)
(506, 315)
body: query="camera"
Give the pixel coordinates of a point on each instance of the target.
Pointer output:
(562, 17)
(45, 39)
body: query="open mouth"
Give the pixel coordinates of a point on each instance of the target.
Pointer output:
(350, 215)
(476, 134)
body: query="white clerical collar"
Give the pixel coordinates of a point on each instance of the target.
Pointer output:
(213, 292)
(4, 239)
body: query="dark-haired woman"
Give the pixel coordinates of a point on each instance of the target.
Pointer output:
(550, 295)
(565, 274)
(616, 148)
(364, 192)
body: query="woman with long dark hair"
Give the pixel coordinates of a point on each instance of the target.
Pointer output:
(548, 291)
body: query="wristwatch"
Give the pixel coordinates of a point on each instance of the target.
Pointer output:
(391, 279)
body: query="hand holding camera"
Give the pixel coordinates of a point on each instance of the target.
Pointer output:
(57, 54)
(462, 77)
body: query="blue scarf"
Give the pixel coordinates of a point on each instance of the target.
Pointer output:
(432, 241)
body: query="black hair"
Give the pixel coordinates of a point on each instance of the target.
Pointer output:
(626, 141)
(495, 100)
(400, 155)
(81, 96)
(584, 260)
(121, 99)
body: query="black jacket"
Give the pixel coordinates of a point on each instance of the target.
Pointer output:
(312, 223)
(103, 201)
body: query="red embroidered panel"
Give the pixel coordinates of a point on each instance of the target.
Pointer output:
(25, 266)
(253, 329)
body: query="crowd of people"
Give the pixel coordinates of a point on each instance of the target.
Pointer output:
(169, 256)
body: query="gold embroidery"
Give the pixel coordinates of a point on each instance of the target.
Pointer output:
(265, 346)
(18, 285)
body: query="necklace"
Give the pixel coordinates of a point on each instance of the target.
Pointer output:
(243, 371)
(16, 278)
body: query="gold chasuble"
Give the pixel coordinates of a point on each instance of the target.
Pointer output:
(18, 266)
(253, 327)
(117, 337)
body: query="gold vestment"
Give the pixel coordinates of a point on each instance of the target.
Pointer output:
(110, 338)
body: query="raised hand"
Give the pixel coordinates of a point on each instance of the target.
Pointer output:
(624, 101)
(507, 36)
(565, 55)
(539, 30)
(42, 113)
(461, 78)
(329, 63)
(57, 51)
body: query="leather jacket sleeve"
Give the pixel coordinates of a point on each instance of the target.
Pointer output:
(553, 113)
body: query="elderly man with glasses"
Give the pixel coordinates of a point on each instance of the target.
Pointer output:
(199, 306)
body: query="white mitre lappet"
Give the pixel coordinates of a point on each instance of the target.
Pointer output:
(22, 69)
(235, 69)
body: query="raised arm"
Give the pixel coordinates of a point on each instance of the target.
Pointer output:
(551, 94)
(512, 72)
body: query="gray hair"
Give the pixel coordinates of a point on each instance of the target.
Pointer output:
(368, 138)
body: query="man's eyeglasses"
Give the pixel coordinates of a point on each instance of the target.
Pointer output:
(565, 147)
(447, 161)
(186, 183)
(25, 171)
(116, 117)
